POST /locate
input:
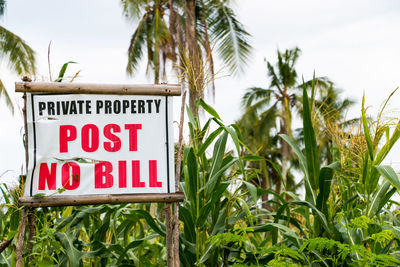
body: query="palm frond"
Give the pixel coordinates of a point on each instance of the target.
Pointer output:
(132, 9)
(21, 58)
(275, 81)
(232, 39)
(7, 98)
(135, 50)
(253, 94)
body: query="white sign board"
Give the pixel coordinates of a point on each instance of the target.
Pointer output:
(99, 144)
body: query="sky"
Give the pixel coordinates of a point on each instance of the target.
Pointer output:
(354, 43)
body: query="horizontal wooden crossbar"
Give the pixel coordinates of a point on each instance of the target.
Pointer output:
(52, 201)
(89, 88)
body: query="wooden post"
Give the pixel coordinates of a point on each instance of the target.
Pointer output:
(177, 180)
(82, 88)
(168, 234)
(31, 230)
(20, 240)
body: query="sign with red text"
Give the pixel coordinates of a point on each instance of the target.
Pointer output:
(99, 144)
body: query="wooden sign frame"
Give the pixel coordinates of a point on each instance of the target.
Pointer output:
(83, 88)
(172, 222)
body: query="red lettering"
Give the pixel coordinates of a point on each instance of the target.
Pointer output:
(122, 173)
(70, 175)
(153, 174)
(90, 131)
(115, 145)
(133, 128)
(67, 134)
(46, 175)
(136, 174)
(103, 169)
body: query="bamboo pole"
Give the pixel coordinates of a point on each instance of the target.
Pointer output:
(31, 212)
(168, 234)
(88, 88)
(20, 240)
(177, 180)
(31, 230)
(60, 200)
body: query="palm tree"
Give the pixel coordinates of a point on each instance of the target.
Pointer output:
(20, 57)
(279, 99)
(151, 34)
(195, 27)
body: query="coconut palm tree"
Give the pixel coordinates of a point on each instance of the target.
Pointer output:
(20, 57)
(280, 99)
(195, 27)
(151, 35)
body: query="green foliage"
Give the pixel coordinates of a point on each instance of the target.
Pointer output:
(339, 254)
(17, 53)
(222, 219)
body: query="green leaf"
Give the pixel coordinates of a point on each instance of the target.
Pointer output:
(310, 142)
(379, 195)
(193, 176)
(209, 140)
(390, 175)
(253, 158)
(150, 221)
(188, 224)
(74, 255)
(212, 203)
(310, 194)
(366, 130)
(325, 179)
(253, 190)
(209, 109)
(63, 70)
(133, 245)
(218, 156)
(384, 151)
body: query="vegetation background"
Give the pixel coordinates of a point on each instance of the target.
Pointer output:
(241, 204)
(354, 43)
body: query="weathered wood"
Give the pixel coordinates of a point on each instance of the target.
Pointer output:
(20, 240)
(31, 231)
(52, 201)
(168, 234)
(177, 181)
(26, 134)
(88, 88)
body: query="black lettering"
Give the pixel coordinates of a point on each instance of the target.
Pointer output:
(88, 107)
(58, 107)
(157, 102)
(117, 106)
(72, 109)
(65, 107)
(50, 108)
(125, 105)
(107, 106)
(141, 106)
(80, 103)
(149, 105)
(99, 105)
(42, 106)
(133, 106)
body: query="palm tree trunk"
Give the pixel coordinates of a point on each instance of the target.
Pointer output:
(194, 55)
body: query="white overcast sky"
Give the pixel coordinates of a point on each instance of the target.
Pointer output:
(355, 43)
